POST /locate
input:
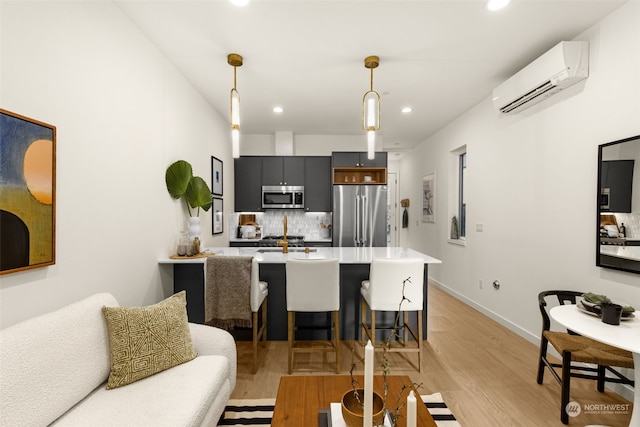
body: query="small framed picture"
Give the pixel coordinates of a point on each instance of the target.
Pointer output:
(216, 176)
(429, 198)
(218, 216)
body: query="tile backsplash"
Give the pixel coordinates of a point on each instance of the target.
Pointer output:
(631, 223)
(307, 224)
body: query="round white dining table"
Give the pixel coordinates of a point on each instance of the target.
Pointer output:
(626, 335)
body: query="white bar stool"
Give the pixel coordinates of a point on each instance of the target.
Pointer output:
(384, 291)
(313, 285)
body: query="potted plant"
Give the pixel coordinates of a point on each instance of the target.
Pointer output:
(195, 191)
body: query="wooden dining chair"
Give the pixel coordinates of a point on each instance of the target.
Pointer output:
(389, 290)
(575, 349)
(313, 285)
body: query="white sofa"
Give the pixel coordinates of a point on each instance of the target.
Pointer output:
(53, 370)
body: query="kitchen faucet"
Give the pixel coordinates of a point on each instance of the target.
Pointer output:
(284, 243)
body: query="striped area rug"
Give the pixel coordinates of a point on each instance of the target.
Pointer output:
(258, 412)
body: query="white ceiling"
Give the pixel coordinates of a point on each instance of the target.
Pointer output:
(439, 57)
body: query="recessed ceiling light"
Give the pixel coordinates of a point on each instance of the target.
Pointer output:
(407, 110)
(496, 4)
(278, 109)
(240, 3)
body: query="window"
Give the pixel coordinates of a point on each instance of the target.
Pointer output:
(458, 190)
(462, 206)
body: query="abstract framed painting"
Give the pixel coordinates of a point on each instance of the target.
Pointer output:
(429, 198)
(27, 193)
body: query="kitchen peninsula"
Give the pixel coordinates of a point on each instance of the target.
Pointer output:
(189, 275)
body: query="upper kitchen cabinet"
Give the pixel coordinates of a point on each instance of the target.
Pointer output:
(248, 184)
(282, 170)
(317, 184)
(616, 180)
(356, 159)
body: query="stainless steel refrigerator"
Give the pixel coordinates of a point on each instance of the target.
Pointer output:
(359, 215)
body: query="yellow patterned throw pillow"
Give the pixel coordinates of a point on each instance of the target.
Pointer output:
(147, 340)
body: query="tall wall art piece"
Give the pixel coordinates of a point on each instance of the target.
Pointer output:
(27, 193)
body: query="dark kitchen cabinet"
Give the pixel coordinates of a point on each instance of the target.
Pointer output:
(282, 170)
(248, 183)
(617, 176)
(352, 159)
(317, 184)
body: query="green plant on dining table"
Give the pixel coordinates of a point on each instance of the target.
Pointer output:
(181, 183)
(386, 367)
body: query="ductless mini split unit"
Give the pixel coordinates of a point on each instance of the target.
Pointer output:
(564, 65)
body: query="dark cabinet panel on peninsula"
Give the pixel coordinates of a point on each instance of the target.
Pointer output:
(248, 184)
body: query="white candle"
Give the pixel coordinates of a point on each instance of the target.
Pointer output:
(368, 385)
(411, 410)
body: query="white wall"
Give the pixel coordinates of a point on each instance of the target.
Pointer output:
(307, 145)
(532, 185)
(123, 114)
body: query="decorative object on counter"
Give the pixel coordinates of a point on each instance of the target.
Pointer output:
(194, 227)
(371, 109)
(325, 230)
(216, 176)
(455, 231)
(429, 198)
(182, 184)
(27, 193)
(218, 216)
(235, 61)
(183, 242)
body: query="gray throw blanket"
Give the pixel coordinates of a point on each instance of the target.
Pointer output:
(228, 292)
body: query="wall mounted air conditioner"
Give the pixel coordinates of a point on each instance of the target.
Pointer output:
(562, 66)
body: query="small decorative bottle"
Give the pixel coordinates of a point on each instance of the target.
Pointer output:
(183, 242)
(196, 245)
(623, 230)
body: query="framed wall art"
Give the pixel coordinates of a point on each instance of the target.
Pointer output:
(429, 198)
(218, 216)
(216, 176)
(27, 193)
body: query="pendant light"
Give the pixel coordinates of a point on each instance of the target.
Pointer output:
(371, 109)
(235, 60)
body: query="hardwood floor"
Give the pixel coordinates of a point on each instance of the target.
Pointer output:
(486, 373)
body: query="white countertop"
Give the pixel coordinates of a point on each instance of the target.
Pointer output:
(344, 255)
(628, 252)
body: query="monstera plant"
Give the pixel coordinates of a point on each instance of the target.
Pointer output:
(181, 183)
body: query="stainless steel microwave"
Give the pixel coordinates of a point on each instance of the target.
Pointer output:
(282, 197)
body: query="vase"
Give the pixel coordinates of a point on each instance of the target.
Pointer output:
(194, 227)
(353, 410)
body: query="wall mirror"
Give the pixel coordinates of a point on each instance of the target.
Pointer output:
(618, 207)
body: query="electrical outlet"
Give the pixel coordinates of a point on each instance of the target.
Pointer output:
(479, 228)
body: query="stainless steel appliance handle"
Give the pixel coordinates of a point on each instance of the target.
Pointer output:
(356, 222)
(365, 219)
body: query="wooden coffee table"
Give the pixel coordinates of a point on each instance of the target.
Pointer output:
(301, 398)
